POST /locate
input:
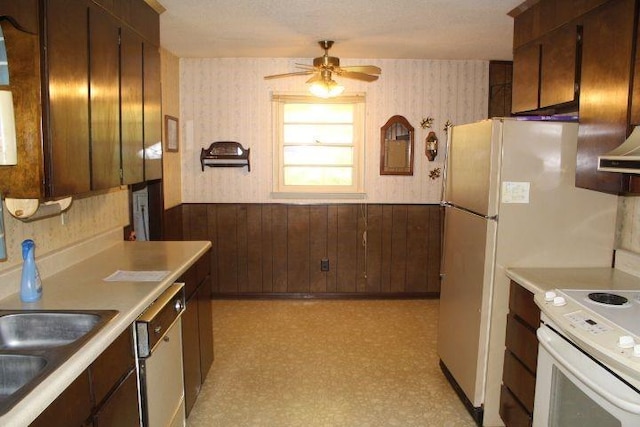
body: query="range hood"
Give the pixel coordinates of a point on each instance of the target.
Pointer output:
(625, 158)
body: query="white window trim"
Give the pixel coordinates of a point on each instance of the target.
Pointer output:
(356, 190)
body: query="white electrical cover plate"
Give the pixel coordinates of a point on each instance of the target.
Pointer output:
(515, 192)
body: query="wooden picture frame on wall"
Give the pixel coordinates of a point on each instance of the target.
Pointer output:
(171, 132)
(396, 147)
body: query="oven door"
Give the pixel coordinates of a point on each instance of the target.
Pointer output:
(572, 389)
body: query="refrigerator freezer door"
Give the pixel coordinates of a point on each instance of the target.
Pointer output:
(472, 169)
(465, 299)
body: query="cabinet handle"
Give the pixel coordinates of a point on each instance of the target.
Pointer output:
(157, 329)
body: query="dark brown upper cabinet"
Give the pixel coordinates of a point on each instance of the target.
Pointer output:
(526, 78)
(86, 88)
(152, 113)
(606, 74)
(131, 106)
(104, 69)
(546, 71)
(66, 106)
(608, 59)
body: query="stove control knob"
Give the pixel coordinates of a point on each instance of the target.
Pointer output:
(626, 341)
(636, 350)
(549, 296)
(559, 301)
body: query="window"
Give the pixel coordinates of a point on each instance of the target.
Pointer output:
(318, 146)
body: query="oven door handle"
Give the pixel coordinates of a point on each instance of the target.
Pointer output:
(553, 344)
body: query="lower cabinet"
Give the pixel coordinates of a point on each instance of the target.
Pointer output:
(520, 359)
(105, 394)
(197, 329)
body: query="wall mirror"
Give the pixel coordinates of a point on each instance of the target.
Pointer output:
(396, 150)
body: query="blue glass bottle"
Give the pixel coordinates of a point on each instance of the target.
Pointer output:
(30, 284)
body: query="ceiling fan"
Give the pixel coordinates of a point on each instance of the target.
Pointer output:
(322, 83)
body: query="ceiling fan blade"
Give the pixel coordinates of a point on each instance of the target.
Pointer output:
(369, 69)
(306, 66)
(315, 78)
(298, 73)
(356, 75)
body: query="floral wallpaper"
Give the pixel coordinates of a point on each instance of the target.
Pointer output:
(84, 219)
(227, 99)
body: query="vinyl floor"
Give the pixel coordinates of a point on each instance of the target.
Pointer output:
(326, 363)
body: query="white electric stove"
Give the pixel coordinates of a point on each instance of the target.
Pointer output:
(588, 371)
(604, 324)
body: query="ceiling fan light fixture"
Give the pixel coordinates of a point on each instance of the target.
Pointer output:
(326, 89)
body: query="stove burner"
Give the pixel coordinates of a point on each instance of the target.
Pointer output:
(608, 298)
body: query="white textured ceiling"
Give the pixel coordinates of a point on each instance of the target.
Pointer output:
(385, 29)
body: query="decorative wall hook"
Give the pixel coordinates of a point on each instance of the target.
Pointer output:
(431, 146)
(447, 125)
(435, 173)
(426, 123)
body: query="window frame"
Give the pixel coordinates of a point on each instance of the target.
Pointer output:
(356, 190)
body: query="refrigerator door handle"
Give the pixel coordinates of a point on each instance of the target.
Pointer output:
(488, 217)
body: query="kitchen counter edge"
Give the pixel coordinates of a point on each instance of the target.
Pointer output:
(538, 280)
(81, 287)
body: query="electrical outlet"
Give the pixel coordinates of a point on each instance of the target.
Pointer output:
(324, 264)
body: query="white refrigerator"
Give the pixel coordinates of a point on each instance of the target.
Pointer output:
(510, 201)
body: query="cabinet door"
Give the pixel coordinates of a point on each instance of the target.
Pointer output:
(121, 409)
(205, 327)
(104, 70)
(191, 353)
(526, 78)
(500, 81)
(67, 112)
(152, 114)
(112, 365)
(558, 72)
(24, 180)
(71, 408)
(131, 106)
(607, 46)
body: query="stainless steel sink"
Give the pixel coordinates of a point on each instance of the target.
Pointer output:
(27, 330)
(33, 344)
(17, 370)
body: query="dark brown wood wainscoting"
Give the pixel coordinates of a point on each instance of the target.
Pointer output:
(275, 250)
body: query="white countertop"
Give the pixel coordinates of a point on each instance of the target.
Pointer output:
(601, 278)
(81, 286)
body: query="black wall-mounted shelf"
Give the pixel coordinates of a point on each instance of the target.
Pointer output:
(225, 154)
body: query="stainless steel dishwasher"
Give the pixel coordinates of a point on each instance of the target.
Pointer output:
(159, 351)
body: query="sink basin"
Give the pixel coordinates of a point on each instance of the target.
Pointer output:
(33, 344)
(27, 330)
(17, 370)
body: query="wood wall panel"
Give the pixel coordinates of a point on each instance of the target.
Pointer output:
(373, 256)
(317, 248)
(434, 248)
(385, 265)
(279, 246)
(254, 249)
(298, 245)
(227, 248)
(398, 248)
(274, 249)
(243, 244)
(267, 248)
(347, 242)
(212, 223)
(417, 246)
